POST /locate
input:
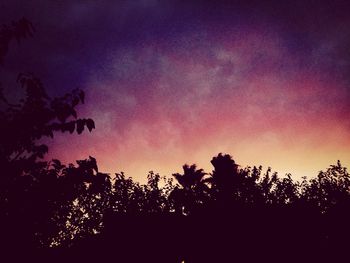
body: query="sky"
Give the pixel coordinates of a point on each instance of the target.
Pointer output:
(175, 82)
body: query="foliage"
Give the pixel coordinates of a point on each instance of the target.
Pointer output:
(17, 30)
(33, 189)
(47, 203)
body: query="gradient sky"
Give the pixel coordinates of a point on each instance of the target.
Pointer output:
(174, 82)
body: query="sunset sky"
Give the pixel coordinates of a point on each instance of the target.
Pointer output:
(174, 82)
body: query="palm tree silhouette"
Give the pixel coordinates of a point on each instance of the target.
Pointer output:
(192, 191)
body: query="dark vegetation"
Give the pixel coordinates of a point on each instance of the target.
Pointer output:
(230, 214)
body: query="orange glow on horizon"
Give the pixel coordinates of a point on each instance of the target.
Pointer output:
(232, 97)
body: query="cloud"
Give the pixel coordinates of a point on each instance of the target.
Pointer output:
(241, 91)
(175, 80)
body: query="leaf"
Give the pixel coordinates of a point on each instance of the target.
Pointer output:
(90, 124)
(56, 164)
(80, 125)
(93, 163)
(71, 126)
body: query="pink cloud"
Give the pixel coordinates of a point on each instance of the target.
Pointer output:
(244, 94)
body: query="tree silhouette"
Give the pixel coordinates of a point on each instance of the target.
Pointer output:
(233, 214)
(85, 197)
(22, 28)
(328, 188)
(29, 189)
(193, 191)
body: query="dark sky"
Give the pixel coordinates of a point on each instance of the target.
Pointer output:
(169, 82)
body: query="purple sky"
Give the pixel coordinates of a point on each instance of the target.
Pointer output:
(169, 82)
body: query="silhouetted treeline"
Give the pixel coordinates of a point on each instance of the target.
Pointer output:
(233, 214)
